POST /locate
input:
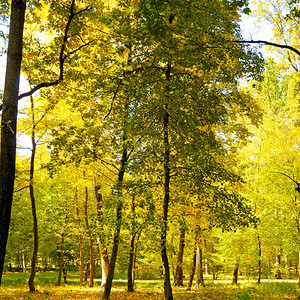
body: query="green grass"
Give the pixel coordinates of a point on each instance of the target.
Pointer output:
(14, 286)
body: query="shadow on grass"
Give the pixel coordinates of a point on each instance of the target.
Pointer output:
(15, 287)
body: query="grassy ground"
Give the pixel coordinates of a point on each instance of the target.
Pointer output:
(14, 286)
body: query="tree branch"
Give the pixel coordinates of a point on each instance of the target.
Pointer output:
(270, 44)
(62, 56)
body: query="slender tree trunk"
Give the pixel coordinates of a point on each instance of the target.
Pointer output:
(179, 272)
(199, 265)
(81, 262)
(87, 271)
(24, 266)
(134, 254)
(299, 268)
(132, 246)
(91, 243)
(130, 264)
(9, 121)
(114, 253)
(193, 268)
(65, 276)
(167, 279)
(259, 259)
(116, 241)
(61, 257)
(298, 231)
(278, 274)
(33, 205)
(235, 273)
(100, 241)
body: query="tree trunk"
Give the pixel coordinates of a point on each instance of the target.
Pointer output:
(81, 262)
(100, 241)
(61, 257)
(91, 243)
(33, 205)
(235, 273)
(114, 253)
(193, 268)
(116, 241)
(278, 274)
(167, 279)
(24, 266)
(199, 265)
(87, 271)
(130, 264)
(259, 259)
(132, 246)
(299, 269)
(65, 276)
(179, 272)
(9, 121)
(135, 253)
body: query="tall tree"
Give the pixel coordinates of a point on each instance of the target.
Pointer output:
(9, 121)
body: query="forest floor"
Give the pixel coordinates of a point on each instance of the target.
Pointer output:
(14, 286)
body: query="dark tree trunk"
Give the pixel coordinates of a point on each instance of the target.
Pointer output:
(33, 205)
(130, 264)
(193, 268)
(178, 280)
(81, 262)
(61, 257)
(259, 259)
(167, 279)
(100, 240)
(91, 243)
(9, 121)
(87, 271)
(65, 276)
(278, 274)
(235, 273)
(134, 254)
(114, 253)
(132, 246)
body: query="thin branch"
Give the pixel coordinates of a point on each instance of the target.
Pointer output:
(298, 184)
(20, 189)
(270, 44)
(113, 99)
(62, 56)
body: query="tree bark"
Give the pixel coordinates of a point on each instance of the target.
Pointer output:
(193, 268)
(91, 242)
(167, 279)
(119, 193)
(178, 280)
(114, 253)
(9, 121)
(61, 257)
(33, 204)
(199, 265)
(100, 241)
(24, 266)
(235, 273)
(259, 259)
(132, 246)
(81, 262)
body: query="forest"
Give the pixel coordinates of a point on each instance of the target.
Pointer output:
(149, 149)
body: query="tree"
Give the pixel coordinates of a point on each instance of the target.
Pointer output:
(10, 106)
(9, 121)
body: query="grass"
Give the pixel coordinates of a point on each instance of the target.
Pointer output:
(14, 286)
